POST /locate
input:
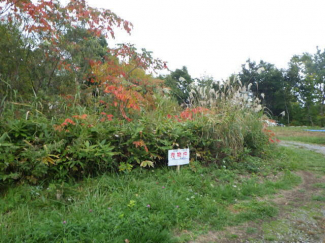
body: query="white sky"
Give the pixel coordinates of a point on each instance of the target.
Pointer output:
(214, 37)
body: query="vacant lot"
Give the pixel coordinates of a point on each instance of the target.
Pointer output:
(300, 134)
(300, 210)
(279, 198)
(250, 201)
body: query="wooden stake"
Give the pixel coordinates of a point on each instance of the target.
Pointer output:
(178, 168)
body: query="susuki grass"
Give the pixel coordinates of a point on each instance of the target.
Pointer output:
(83, 144)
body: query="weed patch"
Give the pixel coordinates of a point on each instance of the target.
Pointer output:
(141, 206)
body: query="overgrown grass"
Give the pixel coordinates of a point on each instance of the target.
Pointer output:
(299, 134)
(146, 205)
(302, 159)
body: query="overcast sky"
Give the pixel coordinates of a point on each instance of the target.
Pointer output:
(214, 37)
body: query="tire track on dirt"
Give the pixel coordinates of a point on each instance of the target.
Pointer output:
(301, 227)
(305, 218)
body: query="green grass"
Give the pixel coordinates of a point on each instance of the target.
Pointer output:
(315, 140)
(299, 134)
(150, 205)
(319, 198)
(319, 185)
(253, 210)
(301, 159)
(251, 230)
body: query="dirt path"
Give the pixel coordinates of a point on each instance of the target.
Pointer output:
(313, 147)
(300, 218)
(301, 215)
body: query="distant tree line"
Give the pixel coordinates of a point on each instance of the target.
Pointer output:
(43, 55)
(293, 96)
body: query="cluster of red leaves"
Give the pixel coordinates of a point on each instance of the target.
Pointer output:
(189, 114)
(109, 76)
(48, 21)
(108, 117)
(127, 97)
(68, 121)
(63, 126)
(81, 117)
(141, 143)
(270, 134)
(49, 17)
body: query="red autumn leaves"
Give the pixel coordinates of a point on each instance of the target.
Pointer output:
(190, 113)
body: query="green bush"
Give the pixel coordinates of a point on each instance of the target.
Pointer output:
(46, 148)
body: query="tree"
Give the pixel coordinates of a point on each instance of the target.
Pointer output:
(179, 82)
(45, 25)
(13, 72)
(270, 85)
(307, 73)
(64, 47)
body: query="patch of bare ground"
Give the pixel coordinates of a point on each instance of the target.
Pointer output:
(300, 218)
(312, 147)
(301, 194)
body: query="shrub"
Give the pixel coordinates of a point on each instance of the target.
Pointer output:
(40, 148)
(87, 140)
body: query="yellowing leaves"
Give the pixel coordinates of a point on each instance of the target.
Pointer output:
(131, 204)
(50, 159)
(147, 163)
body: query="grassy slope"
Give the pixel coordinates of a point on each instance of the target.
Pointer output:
(148, 205)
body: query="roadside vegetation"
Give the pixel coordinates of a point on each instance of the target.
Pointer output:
(157, 205)
(144, 205)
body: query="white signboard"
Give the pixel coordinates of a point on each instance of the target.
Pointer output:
(178, 157)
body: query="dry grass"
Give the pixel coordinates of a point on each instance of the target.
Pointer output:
(299, 134)
(284, 133)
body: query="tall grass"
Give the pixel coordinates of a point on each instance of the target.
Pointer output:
(68, 140)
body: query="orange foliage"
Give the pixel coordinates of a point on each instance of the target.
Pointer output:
(82, 117)
(141, 143)
(48, 21)
(189, 114)
(108, 117)
(270, 134)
